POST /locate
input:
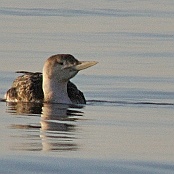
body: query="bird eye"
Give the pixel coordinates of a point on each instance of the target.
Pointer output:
(61, 63)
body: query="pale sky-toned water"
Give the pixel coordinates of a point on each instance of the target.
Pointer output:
(127, 124)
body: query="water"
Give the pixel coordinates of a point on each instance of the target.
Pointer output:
(127, 125)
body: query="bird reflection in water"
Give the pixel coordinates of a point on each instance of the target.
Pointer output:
(55, 130)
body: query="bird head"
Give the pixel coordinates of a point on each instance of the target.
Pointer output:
(63, 67)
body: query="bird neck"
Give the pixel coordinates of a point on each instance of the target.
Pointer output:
(55, 91)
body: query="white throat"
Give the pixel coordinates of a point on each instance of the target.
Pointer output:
(55, 91)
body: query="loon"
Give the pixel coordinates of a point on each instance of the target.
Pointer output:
(53, 85)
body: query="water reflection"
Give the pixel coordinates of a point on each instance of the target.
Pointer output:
(54, 131)
(23, 108)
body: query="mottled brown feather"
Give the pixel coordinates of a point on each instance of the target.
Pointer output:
(28, 88)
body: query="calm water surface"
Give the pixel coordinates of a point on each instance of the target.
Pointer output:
(127, 125)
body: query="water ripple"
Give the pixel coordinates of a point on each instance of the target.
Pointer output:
(91, 102)
(84, 12)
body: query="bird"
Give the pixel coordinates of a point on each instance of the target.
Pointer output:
(53, 85)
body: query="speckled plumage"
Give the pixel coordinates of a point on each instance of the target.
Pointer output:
(28, 88)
